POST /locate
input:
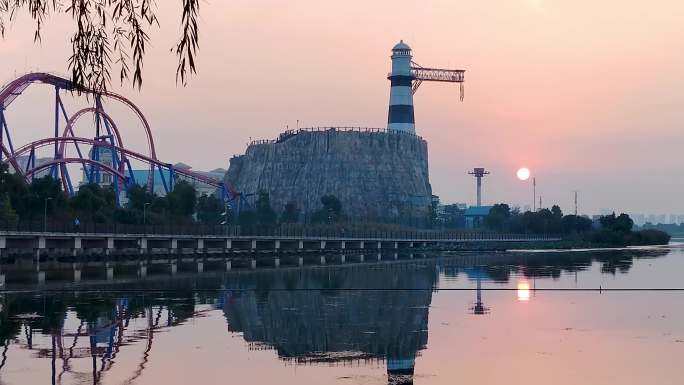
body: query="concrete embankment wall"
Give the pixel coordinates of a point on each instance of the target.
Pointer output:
(376, 175)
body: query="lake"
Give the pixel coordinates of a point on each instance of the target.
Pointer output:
(590, 317)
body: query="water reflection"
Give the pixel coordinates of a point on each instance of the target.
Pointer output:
(479, 307)
(304, 318)
(523, 291)
(370, 313)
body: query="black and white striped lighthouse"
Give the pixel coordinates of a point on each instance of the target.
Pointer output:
(400, 116)
(406, 77)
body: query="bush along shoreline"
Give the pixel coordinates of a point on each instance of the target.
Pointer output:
(576, 231)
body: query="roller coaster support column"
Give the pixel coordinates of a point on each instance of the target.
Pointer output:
(110, 245)
(2, 129)
(78, 245)
(77, 271)
(142, 244)
(53, 169)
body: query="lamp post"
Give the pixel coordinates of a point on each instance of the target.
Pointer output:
(534, 194)
(45, 214)
(224, 215)
(145, 213)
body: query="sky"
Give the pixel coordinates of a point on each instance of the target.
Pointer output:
(586, 94)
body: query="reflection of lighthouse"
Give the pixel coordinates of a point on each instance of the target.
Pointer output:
(400, 117)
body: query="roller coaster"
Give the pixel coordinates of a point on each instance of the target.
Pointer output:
(108, 155)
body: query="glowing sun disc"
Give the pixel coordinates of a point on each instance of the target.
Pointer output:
(523, 173)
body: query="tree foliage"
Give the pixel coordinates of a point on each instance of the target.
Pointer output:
(7, 213)
(264, 212)
(614, 230)
(498, 217)
(138, 197)
(209, 209)
(182, 201)
(45, 192)
(97, 204)
(622, 223)
(576, 224)
(110, 33)
(331, 212)
(15, 188)
(93, 202)
(290, 213)
(544, 221)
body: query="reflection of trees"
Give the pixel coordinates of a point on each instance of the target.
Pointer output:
(498, 268)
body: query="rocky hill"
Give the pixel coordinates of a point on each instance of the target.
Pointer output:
(375, 174)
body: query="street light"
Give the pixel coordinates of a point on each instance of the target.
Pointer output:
(534, 194)
(45, 215)
(145, 213)
(225, 216)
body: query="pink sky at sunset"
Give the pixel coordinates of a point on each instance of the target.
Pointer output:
(586, 94)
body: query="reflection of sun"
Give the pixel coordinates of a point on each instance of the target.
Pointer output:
(535, 5)
(523, 291)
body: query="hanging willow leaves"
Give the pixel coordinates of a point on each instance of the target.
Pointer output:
(110, 35)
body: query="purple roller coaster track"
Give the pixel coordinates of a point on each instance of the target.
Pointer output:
(107, 140)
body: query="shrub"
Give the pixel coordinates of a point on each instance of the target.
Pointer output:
(651, 237)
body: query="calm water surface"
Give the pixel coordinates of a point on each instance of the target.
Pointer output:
(421, 321)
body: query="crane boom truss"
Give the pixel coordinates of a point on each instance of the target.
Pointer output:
(421, 74)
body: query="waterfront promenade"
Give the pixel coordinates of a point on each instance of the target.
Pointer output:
(40, 255)
(135, 239)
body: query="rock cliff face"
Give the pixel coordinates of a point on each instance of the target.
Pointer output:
(376, 175)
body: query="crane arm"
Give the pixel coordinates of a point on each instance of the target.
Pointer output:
(421, 74)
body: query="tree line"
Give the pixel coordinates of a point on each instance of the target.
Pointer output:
(608, 230)
(44, 197)
(262, 214)
(93, 203)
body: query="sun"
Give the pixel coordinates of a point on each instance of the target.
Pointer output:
(523, 173)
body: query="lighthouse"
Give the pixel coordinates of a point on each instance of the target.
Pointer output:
(400, 117)
(405, 78)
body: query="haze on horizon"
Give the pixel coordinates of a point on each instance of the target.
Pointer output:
(586, 94)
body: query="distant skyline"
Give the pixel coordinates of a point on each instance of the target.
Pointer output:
(586, 94)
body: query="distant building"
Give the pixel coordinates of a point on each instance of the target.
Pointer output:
(475, 216)
(141, 177)
(639, 219)
(606, 211)
(99, 176)
(22, 162)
